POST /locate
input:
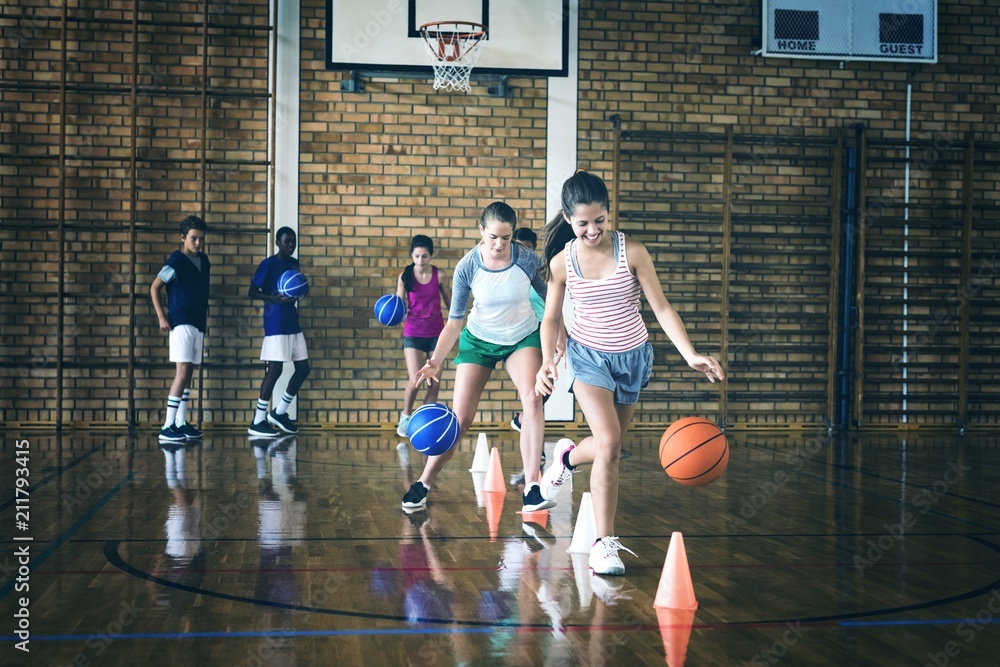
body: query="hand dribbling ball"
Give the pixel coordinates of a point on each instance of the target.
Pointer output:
(433, 429)
(694, 451)
(293, 284)
(390, 310)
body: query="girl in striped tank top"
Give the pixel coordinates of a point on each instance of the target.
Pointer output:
(609, 353)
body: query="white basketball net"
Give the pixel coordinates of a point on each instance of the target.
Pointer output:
(453, 49)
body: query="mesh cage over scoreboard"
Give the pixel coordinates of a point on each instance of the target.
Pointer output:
(895, 30)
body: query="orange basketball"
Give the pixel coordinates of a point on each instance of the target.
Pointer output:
(693, 451)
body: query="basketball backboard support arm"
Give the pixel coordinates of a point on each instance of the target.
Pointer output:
(354, 82)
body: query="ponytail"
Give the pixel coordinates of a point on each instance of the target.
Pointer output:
(408, 277)
(557, 233)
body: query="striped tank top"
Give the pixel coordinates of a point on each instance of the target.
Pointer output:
(606, 313)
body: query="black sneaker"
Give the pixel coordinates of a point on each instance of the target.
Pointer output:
(533, 501)
(281, 445)
(416, 497)
(284, 422)
(172, 434)
(262, 429)
(535, 537)
(515, 421)
(190, 432)
(171, 446)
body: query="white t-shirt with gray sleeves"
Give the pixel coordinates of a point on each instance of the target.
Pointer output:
(501, 311)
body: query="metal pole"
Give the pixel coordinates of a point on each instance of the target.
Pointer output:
(847, 311)
(727, 233)
(61, 288)
(616, 123)
(204, 167)
(963, 292)
(131, 417)
(859, 338)
(272, 44)
(836, 192)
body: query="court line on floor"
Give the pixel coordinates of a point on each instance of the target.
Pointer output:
(878, 476)
(893, 499)
(493, 568)
(936, 621)
(67, 534)
(55, 471)
(115, 559)
(352, 632)
(396, 538)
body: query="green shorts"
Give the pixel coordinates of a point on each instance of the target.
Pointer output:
(472, 350)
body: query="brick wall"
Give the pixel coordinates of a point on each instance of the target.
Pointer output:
(399, 159)
(686, 67)
(378, 167)
(175, 129)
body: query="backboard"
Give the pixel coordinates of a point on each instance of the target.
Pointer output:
(525, 37)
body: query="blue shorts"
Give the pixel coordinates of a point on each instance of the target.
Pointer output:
(623, 373)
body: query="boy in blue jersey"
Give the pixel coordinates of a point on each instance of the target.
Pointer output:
(283, 338)
(186, 276)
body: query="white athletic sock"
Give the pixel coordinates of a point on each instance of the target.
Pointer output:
(282, 408)
(180, 420)
(173, 403)
(261, 413)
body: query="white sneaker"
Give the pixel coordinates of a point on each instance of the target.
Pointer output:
(610, 591)
(557, 474)
(604, 557)
(404, 422)
(403, 450)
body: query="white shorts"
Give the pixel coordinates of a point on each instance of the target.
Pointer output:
(186, 344)
(284, 347)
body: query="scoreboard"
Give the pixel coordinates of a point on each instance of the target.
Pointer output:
(895, 30)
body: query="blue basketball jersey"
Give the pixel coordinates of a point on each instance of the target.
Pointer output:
(283, 318)
(187, 289)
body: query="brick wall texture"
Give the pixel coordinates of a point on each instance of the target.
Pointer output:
(399, 159)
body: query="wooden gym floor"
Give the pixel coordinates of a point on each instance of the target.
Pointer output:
(809, 551)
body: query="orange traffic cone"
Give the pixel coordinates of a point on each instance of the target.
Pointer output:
(676, 590)
(494, 475)
(494, 507)
(675, 629)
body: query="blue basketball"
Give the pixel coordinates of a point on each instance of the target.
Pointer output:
(390, 310)
(293, 284)
(433, 429)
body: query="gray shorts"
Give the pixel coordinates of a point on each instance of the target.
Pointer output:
(623, 373)
(420, 343)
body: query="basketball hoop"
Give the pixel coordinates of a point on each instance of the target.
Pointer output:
(453, 49)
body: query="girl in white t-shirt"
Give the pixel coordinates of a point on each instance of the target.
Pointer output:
(501, 327)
